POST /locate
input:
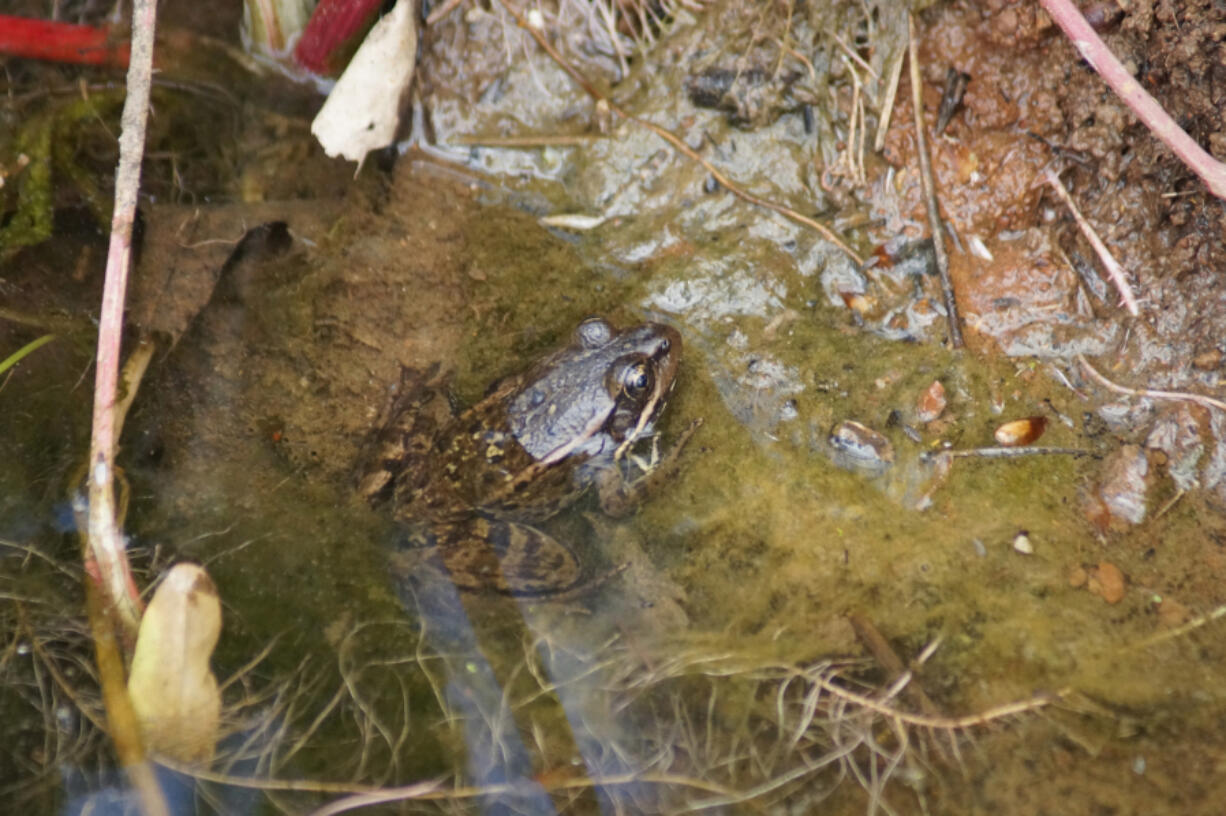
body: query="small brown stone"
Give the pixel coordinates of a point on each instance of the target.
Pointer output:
(1207, 360)
(1107, 582)
(930, 403)
(1124, 483)
(1077, 577)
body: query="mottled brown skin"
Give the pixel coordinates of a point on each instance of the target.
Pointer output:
(469, 487)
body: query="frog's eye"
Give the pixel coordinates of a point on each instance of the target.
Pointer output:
(594, 333)
(636, 380)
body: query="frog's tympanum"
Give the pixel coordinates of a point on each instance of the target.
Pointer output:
(470, 487)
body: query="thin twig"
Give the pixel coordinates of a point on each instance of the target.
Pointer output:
(1104, 254)
(1179, 631)
(854, 56)
(887, 106)
(442, 11)
(678, 144)
(943, 723)
(930, 192)
(876, 643)
(1185, 396)
(1147, 109)
(542, 140)
(1006, 453)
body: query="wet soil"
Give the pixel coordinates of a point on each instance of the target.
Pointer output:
(243, 447)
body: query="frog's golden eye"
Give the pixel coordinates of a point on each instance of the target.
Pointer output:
(636, 380)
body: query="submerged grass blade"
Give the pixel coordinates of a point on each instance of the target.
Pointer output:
(20, 354)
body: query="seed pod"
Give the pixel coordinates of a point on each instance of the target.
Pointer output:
(1021, 431)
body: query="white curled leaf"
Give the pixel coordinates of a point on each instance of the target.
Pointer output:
(363, 111)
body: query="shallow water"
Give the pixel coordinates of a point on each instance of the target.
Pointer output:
(721, 669)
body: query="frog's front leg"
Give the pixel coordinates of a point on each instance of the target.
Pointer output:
(405, 432)
(620, 494)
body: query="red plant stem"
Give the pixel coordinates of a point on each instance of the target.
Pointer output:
(106, 552)
(112, 597)
(60, 42)
(332, 26)
(1147, 109)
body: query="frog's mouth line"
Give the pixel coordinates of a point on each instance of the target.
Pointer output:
(562, 452)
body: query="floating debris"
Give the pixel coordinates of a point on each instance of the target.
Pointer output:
(1121, 497)
(1207, 360)
(951, 98)
(1022, 543)
(931, 403)
(572, 221)
(858, 447)
(1020, 432)
(1006, 453)
(863, 305)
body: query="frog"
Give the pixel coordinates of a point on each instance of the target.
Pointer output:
(472, 487)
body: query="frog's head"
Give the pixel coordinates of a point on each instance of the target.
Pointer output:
(598, 395)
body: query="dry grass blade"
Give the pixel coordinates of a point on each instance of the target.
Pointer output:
(1104, 254)
(1179, 631)
(930, 194)
(1185, 396)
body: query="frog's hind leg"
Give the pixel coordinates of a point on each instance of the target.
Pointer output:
(495, 555)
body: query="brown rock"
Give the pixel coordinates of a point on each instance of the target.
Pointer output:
(1077, 577)
(1124, 484)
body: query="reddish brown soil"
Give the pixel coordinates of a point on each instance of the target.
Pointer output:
(1032, 104)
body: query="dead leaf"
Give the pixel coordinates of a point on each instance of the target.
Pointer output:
(173, 690)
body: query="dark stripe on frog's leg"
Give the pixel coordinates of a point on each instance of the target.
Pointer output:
(493, 555)
(507, 557)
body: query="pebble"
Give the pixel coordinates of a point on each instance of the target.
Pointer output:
(1172, 613)
(1124, 484)
(930, 403)
(1021, 543)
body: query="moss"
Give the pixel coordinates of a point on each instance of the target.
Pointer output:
(52, 142)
